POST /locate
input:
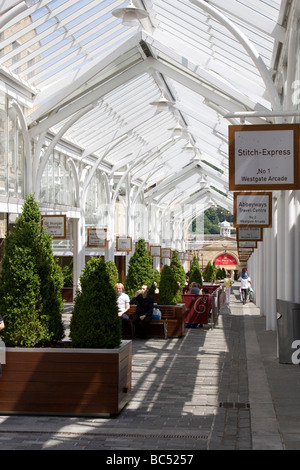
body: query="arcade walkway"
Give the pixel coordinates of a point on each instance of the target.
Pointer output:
(220, 389)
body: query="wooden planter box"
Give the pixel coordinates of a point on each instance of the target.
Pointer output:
(66, 380)
(67, 294)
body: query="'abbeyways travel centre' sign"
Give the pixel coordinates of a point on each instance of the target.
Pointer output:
(264, 157)
(252, 209)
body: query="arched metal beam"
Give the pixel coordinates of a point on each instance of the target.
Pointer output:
(248, 46)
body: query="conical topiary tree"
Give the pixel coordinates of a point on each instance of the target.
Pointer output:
(169, 289)
(208, 272)
(30, 284)
(221, 274)
(195, 272)
(95, 322)
(178, 269)
(140, 269)
(112, 272)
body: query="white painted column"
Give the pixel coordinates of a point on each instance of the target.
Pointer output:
(280, 247)
(271, 272)
(79, 250)
(289, 245)
(253, 268)
(258, 275)
(297, 248)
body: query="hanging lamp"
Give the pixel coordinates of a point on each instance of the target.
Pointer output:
(162, 104)
(178, 131)
(130, 15)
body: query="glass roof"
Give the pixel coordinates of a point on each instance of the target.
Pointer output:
(93, 81)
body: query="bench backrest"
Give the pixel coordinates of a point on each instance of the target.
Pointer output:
(167, 311)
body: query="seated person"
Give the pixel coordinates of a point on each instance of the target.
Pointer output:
(123, 303)
(194, 288)
(144, 310)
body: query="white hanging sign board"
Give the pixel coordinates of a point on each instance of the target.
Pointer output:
(97, 237)
(124, 243)
(249, 233)
(155, 250)
(247, 244)
(252, 209)
(264, 157)
(166, 252)
(55, 225)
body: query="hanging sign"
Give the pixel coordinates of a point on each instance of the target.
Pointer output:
(155, 250)
(249, 233)
(243, 251)
(166, 252)
(243, 259)
(97, 237)
(124, 244)
(225, 259)
(55, 225)
(264, 157)
(252, 209)
(247, 244)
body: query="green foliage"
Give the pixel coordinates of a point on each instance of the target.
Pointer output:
(95, 322)
(221, 273)
(208, 272)
(67, 272)
(195, 272)
(156, 277)
(156, 280)
(178, 269)
(30, 284)
(112, 272)
(169, 289)
(212, 218)
(140, 269)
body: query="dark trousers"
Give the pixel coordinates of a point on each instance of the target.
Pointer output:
(141, 326)
(124, 320)
(244, 295)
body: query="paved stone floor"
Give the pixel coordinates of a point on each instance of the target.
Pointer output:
(212, 389)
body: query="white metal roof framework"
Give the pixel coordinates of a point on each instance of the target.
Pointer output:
(92, 81)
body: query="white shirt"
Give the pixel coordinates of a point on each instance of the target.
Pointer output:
(122, 300)
(244, 282)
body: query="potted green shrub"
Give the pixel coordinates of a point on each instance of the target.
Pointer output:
(95, 322)
(195, 272)
(171, 279)
(30, 284)
(112, 272)
(94, 377)
(177, 269)
(140, 269)
(208, 272)
(169, 289)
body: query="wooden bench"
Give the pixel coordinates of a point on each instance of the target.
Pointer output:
(167, 319)
(171, 323)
